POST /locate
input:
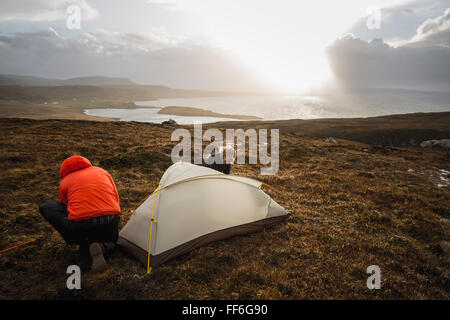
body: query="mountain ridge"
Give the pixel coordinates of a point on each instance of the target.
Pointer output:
(22, 80)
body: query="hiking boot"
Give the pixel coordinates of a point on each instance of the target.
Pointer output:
(98, 260)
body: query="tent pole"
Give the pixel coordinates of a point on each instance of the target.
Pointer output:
(149, 269)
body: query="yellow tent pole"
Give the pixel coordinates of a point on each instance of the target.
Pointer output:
(149, 269)
(271, 188)
(142, 201)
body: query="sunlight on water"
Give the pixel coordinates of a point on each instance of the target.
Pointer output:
(148, 115)
(287, 107)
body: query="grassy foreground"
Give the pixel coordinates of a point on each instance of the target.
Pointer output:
(353, 205)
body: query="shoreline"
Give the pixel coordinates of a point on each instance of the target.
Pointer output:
(76, 110)
(407, 129)
(184, 112)
(402, 130)
(199, 112)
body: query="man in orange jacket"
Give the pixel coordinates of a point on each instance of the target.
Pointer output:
(88, 211)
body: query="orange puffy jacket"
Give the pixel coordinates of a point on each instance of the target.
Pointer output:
(86, 190)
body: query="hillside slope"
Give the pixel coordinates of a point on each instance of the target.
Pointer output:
(395, 130)
(353, 205)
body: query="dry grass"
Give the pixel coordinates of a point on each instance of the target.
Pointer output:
(353, 205)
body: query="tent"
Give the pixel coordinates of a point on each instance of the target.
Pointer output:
(193, 206)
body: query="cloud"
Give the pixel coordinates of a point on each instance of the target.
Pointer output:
(153, 58)
(158, 36)
(433, 32)
(357, 63)
(162, 2)
(420, 62)
(42, 10)
(399, 20)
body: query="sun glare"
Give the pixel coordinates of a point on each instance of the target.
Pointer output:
(286, 43)
(297, 75)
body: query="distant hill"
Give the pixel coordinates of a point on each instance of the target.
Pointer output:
(45, 93)
(9, 79)
(97, 81)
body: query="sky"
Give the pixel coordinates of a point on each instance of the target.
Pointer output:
(232, 45)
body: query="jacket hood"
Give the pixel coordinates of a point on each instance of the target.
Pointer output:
(72, 164)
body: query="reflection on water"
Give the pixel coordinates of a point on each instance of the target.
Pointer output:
(289, 107)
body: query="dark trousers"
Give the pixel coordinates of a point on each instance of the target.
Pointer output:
(102, 229)
(224, 167)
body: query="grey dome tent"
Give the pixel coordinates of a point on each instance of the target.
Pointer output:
(193, 206)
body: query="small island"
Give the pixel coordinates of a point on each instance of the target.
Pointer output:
(197, 112)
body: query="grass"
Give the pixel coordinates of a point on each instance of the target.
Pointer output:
(353, 205)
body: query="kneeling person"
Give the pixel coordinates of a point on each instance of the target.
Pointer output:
(88, 211)
(223, 166)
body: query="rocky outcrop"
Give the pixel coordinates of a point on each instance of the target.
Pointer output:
(441, 144)
(170, 122)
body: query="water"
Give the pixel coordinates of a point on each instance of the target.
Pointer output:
(148, 115)
(367, 104)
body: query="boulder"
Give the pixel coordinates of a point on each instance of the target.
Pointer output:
(331, 140)
(170, 122)
(441, 144)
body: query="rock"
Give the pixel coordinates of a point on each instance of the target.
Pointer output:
(170, 122)
(442, 144)
(445, 246)
(331, 139)
(426, 144)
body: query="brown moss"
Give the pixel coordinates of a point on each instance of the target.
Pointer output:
(344, 219)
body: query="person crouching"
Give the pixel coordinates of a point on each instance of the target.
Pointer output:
(219, 161)
(88, 211)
